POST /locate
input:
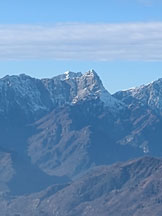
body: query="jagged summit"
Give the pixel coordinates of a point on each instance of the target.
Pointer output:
(90, 86)
(91, 72)
(73, 75)
(84, 86)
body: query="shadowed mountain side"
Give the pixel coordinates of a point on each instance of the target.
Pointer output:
(71, 139)
(18, 175)
(28, 178)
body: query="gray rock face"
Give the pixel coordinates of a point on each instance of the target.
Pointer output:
(70, 88)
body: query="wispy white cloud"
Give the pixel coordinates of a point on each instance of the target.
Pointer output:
(76, 41)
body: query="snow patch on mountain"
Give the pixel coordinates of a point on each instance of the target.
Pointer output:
(68, 75)
(147, 95)
(21, 91)
(72, 75)
(90, 86)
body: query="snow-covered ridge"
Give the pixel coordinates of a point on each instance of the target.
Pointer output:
(148, 95)
(34, 95)
(21, 91)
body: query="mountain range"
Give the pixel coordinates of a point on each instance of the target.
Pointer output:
(60, 136)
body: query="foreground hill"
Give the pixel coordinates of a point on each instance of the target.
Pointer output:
(122, 189)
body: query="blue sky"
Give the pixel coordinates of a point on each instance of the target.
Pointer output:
(120, 39)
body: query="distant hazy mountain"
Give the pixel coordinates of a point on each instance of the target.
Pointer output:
(54, 130)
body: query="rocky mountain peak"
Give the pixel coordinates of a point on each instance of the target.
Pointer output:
(92, 78)
(92, 73)
(89, 85)
(72, 88)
